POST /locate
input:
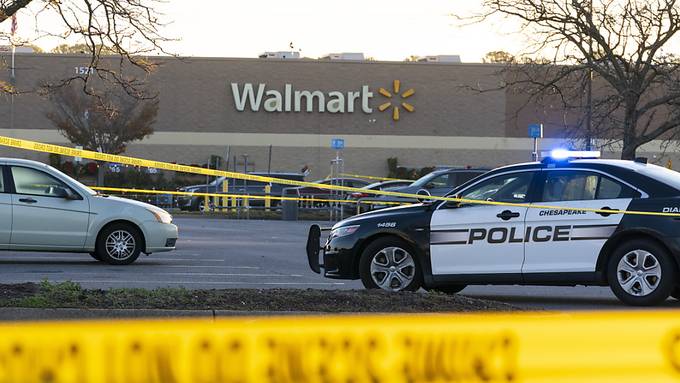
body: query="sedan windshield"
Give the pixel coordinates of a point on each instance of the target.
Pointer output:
(73, 181)
(424, 179)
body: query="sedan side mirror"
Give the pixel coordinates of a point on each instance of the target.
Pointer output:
(65, 193)
(429, 185)
(424, 199)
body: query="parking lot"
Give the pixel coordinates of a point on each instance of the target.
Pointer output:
(215, 253)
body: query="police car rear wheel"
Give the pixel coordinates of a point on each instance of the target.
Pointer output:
(641, 273)
(389, 264)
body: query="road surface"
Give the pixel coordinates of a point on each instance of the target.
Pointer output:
(222, 253)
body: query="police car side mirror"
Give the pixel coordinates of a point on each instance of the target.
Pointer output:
(453, 204)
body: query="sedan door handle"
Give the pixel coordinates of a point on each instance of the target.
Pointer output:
(606, 214)
(507, 214)
(27, 200)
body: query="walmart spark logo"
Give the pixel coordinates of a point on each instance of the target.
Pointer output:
(394, 103)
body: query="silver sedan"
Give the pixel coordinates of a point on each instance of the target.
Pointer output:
(42, 209)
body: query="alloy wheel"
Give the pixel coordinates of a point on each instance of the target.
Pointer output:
(120, 245)
(393, 269)
(639, 273)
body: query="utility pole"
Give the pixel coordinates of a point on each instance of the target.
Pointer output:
(589, 84)
(13, 77)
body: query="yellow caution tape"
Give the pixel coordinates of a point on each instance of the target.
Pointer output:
(239, 196)
(557, 348)
(373, 177)
(66, 151)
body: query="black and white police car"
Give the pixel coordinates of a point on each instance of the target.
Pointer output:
(445, 245)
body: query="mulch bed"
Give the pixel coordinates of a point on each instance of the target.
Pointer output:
(71, 295)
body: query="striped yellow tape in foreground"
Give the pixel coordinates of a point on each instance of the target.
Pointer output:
(586, 347)
(62, 150)
(239, 196)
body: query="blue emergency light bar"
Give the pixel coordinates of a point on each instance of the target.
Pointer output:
(564, 154)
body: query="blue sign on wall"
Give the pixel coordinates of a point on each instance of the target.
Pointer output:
(337, 143)
(536, 130)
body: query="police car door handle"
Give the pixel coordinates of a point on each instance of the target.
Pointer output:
(606, 214)
(507, 214)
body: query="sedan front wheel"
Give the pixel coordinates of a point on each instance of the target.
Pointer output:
(119, 244)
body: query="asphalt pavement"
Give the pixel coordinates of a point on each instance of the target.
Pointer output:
(221, 253)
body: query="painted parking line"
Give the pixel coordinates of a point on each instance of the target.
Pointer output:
(76, 258)
(62, 273)
(209, 283)
(199, 267)
(219, 275)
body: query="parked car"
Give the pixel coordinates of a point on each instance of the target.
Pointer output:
(314, 192)
(353, 208)
(235, 186)
(43, 209)
(437, 183)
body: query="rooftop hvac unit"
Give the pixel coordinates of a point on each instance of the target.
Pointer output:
(440, 59)
(280, 55)
(344, 56)
(18, 49)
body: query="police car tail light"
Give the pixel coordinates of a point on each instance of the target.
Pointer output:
(343, 231)
(564, 154)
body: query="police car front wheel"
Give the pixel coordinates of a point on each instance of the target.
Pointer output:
(389, 264)
(641, 273)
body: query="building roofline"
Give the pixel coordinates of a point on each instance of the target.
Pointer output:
(271, 60)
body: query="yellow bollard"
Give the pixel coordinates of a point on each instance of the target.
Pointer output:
(267, 200)
(224, 201)
(206, 203)
(246, 203)
(233, 203)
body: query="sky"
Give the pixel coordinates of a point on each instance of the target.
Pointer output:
(383, 29)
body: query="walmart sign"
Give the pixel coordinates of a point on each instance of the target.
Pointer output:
(290, 100)
(260, 97)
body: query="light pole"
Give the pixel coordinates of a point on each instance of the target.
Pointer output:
(589, 84)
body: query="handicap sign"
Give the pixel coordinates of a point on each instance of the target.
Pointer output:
(337, 143)
(536, 130)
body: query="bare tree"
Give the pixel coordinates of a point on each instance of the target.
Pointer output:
(127, 28)
(64, 49)
(618, 48)
(106, 123)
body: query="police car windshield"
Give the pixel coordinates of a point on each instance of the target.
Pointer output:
(667, 176)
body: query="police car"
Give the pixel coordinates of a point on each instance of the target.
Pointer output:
(544, 239)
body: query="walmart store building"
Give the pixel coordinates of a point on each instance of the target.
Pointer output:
(424, 114)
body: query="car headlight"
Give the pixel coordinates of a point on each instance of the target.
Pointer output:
(344, 231)
(161, 216)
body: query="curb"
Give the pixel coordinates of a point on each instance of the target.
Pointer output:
(45, 314)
